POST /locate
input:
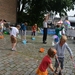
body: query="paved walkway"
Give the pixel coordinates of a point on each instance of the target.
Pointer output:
(26, 59)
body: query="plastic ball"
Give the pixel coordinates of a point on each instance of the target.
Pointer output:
(56, 39)
(24, 41)
(55, 36)
(33, 38)
(6, 32)
(41, 50)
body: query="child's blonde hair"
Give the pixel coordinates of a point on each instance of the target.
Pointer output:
(18, 26)
(64, 37)
(52, 52)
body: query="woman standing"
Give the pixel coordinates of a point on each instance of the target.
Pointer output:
(45, 28)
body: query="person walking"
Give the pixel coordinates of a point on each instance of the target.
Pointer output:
(68, 26)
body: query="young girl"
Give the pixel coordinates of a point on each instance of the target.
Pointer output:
(34, 29)
(46, 62)
(61, 46)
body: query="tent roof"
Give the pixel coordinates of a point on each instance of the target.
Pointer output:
(71, 19)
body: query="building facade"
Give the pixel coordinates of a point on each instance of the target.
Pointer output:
(8, 10)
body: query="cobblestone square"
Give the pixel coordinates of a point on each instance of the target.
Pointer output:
(26, 59)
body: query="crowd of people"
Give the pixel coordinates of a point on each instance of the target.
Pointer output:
(57, 51)
(16, 31)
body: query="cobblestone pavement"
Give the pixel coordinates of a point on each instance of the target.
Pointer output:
(26, 59)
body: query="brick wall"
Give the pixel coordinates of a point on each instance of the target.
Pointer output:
(8, 10)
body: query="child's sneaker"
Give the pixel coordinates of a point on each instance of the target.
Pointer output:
(60, 73)
(56, 72)
(53, 43)
(14, 49)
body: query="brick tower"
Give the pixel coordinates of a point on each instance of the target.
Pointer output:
(8, 10)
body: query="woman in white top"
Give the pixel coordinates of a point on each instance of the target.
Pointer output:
(45, 28)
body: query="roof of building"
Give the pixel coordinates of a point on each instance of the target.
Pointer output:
(71, 18)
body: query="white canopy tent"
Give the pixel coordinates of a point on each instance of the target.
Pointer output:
(71, 19)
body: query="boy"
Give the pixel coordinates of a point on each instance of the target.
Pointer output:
(23, 31)
(60, 47)
(13, 33)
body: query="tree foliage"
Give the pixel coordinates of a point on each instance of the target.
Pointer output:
(32, 11)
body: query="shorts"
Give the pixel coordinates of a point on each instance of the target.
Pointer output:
(61, 60)
(38, 72)
(13, 39)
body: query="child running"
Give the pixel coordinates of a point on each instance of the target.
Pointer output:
(61, 46)
(46, 62)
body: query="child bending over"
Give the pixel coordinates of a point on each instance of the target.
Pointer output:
(46, 62)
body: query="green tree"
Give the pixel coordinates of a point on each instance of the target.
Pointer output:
(32, 11)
